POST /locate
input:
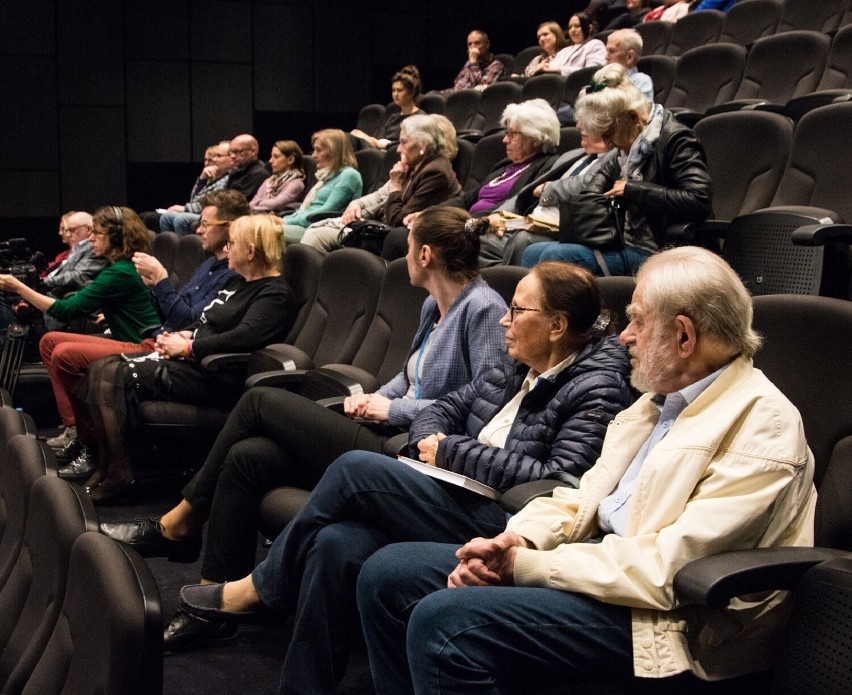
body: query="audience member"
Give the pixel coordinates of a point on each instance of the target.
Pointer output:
(585, 51)
(554, 50)
(338, 182)
(669, 11)
(247, 172)
(70, 355)
(624, 47)
(543, 411)
(405, 88)
(532, 134)
(537, 203)
(81, 265)
(274, 437)
(722, 5)
(712, 458)
(252, 310)
(282, 190)
(481, 68)
(422, 177)
(213, 177)
(659, 177)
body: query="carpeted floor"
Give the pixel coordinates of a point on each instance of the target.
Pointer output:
(247, 665)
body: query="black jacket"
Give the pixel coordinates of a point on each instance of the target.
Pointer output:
(560, 425)
(675, 186)
(248, 179)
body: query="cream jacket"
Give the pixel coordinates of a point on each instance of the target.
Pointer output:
(733, 472)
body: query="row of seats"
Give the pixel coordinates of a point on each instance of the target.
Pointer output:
(79, 612)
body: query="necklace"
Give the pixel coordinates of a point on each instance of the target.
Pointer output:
(509, 174)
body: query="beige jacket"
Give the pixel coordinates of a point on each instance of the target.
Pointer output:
(733, 472)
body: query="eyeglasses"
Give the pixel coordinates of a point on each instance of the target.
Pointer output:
(238, 150)
(71, 230)
(512, 134)
(231, 242)
(94, 232)
(205, 224)
(520, 309)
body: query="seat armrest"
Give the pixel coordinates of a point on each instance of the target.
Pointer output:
(819, 234)
(323, 215)
(325, 383)
(225, 361)
(516, 498)
(690, 232)
(280, 356)
(148, 331)
(334, 404)
(279, 378)
(713, 581)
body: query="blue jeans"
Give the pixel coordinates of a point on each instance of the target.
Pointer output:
(362, 503)
(424, 638)
(583, 256)
(178, 222)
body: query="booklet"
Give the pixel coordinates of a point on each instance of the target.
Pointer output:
(453, 478)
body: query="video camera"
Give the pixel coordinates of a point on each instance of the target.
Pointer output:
(18, 260)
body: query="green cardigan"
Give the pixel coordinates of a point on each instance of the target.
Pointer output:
(120, 294)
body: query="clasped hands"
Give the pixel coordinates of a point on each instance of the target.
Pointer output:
(171, 345)
(487, 561)
(368, 406)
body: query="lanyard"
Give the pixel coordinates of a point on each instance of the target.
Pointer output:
(420, 353)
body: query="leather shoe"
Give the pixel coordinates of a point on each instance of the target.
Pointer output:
(79, 469)
(205, 601)
(185, 631)
(146, 537)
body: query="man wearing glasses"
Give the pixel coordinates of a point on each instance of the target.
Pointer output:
(81, 265)
(247, 171)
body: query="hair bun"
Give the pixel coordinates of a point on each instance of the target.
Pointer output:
(476, 227)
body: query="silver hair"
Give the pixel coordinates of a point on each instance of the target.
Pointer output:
(535, 119)
(449, 147)
(607, 98)
(697, 283)
(425, 131)
(630, 39)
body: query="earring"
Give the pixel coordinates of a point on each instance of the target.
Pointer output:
(422, 152)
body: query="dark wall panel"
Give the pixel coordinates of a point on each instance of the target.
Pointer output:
(221, 31)
(158, 112)
(342, 62)
(28, 194)
(221, 102)
(93, 157)
(158, 29)
(91, 63)
(283, 58)
(28, 112)
(27, 27)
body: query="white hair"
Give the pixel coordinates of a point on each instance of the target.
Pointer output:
(535, 119)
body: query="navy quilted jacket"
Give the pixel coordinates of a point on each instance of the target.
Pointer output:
(560, 425)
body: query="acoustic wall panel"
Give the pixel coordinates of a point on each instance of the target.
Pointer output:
(221, 102)
(158, 30)
(28, 116)
(283, 58)
(221, 31)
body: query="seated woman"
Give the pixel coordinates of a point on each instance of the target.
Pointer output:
(553, 42)
(338, 182)
(405, 88)
(543, 411)
(584, 51)
(282, 190)
(660, 176)
(532, 135)
(422, 177)
(252, 310)
(274, 437)
(635, 12)
(669, 11)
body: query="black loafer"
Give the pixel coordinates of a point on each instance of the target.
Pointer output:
(146, 537)
(185, 631)
(79, 469)
(205, 601)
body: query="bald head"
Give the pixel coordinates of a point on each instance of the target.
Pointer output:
(244, 150)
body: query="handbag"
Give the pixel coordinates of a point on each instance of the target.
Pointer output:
(595, 221)
(364, 234)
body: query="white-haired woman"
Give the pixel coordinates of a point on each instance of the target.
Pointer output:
(660, 176)
(532, 135)
(422, 177)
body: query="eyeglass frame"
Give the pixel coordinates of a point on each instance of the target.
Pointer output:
(204, 224)
(522, 309)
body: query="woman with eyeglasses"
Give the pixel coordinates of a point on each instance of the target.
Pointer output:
(253, 309)
(659, 177)
(542, 411)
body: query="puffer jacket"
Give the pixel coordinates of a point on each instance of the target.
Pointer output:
(675, 186)
(560, 425)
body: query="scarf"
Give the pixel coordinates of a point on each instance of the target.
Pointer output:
(640, 152)
(322, 176)
(277, 181)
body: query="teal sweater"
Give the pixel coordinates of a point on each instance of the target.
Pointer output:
(120, 294)
(337, 192)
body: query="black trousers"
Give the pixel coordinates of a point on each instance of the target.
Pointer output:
(272, 438)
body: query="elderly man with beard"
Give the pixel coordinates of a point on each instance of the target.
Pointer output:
(579, 587)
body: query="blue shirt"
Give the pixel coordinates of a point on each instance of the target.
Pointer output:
(178, 309)
(612, 511)
(723, 5)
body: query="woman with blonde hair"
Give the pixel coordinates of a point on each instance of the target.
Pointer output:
(252, 310)
(659, 177)
(338, 181)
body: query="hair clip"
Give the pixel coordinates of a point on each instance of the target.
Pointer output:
(471, 228)
(593, 87)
